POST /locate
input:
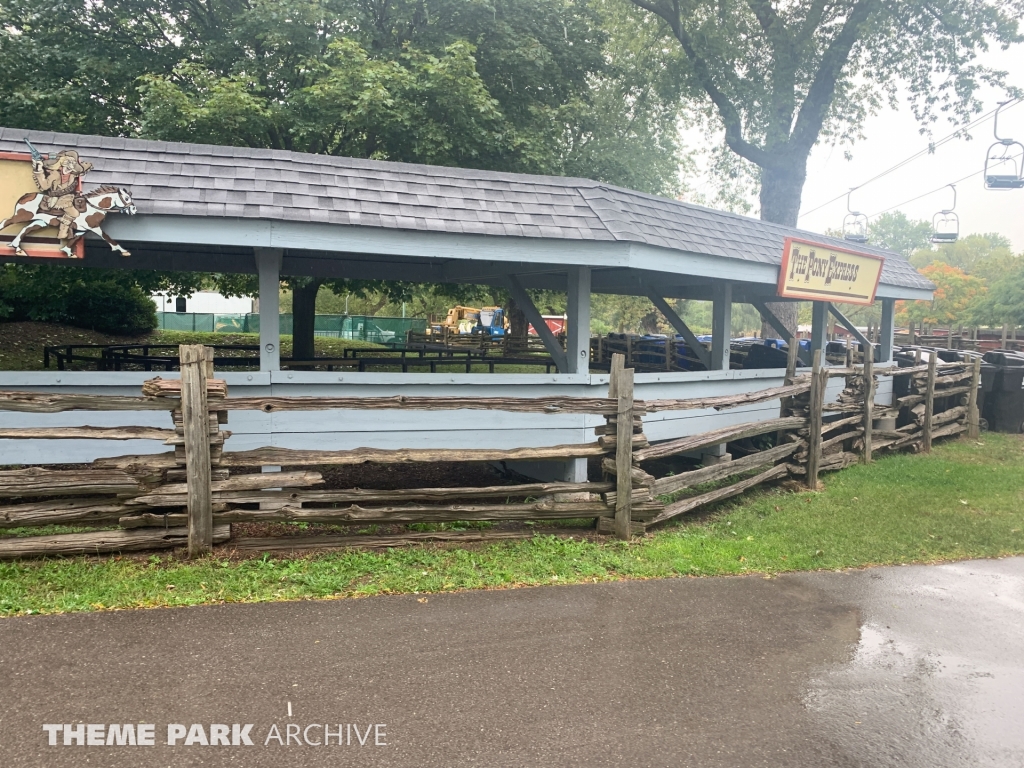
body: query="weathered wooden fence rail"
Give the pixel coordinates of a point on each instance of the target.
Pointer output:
(189, 496)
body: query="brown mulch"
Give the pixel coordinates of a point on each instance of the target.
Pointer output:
(391, 477)
(448, 474)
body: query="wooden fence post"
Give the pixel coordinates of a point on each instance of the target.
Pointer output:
(621, 387)
(973, 418)
(929, 403)
(792, 352)
(869, 400)
(786, 403)
(196, 422)
(208, 361)
(819, 378)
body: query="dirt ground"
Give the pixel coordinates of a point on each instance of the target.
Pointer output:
(21, 344)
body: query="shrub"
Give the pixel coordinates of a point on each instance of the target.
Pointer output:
(103, 300)
(112, 308)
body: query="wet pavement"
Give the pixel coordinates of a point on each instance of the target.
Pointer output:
(915, 666)
(937, 677)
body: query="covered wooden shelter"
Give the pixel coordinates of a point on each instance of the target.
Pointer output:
(232, 209)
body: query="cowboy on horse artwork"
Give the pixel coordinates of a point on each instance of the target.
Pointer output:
(58, 203)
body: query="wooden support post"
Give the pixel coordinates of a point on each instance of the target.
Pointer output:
(819, 380)
(973, 420)
(929, 404)
(721, 326)
(869, 400)
(268, 264)
(195, 420)
(622, 384)
(577, 343)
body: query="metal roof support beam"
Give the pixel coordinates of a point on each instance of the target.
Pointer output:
(534, 317)
(268, 265)
(681, 328)
(577, 344)
(886, 330)
(721, 326)
(819, 327)
(848, 325)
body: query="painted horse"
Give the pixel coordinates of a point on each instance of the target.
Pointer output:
(92, 207)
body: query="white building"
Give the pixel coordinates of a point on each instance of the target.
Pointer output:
(205, 302)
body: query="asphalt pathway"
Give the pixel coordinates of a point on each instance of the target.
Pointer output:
(915, 666)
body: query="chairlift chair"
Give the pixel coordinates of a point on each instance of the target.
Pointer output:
(946, 224)
(1004, 161)
(855, 224)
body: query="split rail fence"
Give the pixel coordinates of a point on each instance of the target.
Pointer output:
(189, 496)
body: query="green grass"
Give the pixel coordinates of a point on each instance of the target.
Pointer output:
(964, 500)
(21, 343)
(325, 347)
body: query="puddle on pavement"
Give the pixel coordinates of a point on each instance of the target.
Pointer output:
(937, 677)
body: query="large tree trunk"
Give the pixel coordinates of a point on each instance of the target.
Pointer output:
(517, 324)
(649, 323)
(781, 189)
(304, 319)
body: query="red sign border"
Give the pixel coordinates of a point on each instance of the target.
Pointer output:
(787, 248)
(6, 253)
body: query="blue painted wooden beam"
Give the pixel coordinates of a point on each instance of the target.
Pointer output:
(533, 315)
(848, 325)
(681, 328)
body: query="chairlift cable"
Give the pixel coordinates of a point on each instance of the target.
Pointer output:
(932, 192)
(926, 151)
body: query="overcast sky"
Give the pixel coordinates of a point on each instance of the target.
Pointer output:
(894, 136)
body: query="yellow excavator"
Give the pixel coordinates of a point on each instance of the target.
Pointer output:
(469, 320)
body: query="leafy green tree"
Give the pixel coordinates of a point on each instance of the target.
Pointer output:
(108, 300)
(968, 253)
(780, 77)
(68, 65)
(516, 85)
(895, 232)
(1004, 301)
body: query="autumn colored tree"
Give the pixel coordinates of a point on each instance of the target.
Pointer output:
(955, 300)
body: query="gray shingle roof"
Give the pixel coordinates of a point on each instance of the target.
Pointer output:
(239, 182)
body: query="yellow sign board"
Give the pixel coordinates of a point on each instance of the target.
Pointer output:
(16, 182)
(826, 273)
